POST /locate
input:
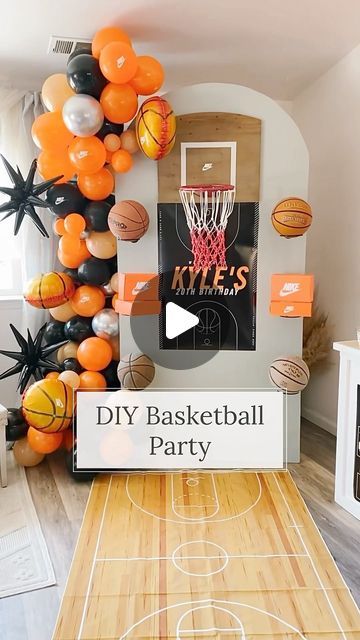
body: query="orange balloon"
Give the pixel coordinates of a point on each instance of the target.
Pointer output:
(52, 375)
(96, 186)
(112, 142)
(118, 62)
(51, 164)
(69, 244)
(59, 227)
(119, 102)
(87, 155)
(87, 301)
(107, 35)
(43, 442)
(94, 354)
(74, 224)
(74, 260)
(128, 141)
(149, 76)
(121, 161)
(115, 346)
(49, 132)
(68, 439)
(92, 380)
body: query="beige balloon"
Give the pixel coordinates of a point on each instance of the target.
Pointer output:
(63, 313)
(101, 244)
(70, 378)
(114, 282)
(24, 455)
(68, 350)
(55, 91)
(129, 142)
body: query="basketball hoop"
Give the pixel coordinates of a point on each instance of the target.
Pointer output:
(207, 208)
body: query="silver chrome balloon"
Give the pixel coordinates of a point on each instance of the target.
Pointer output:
(83, 115)
(107, 289)
(105, 324)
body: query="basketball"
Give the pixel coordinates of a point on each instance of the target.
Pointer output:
(289, 373)
(155, 128)
(135, 371)
(49, 290)
(291, 217)
(128, 220)
(48, 405)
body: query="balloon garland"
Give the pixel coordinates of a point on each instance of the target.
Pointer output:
(83, 139)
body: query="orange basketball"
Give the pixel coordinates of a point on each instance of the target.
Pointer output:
(155, 128)
(292, 217)
(48, 405)
(49, 290)
(128, 220)
(94, 354)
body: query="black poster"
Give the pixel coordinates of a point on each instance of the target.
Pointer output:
(224, 298)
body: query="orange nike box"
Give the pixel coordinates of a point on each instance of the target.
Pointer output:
(138, 307)
(292, 287)
(140, 286)
(288, 309)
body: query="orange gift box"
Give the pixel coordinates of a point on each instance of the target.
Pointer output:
(289, 309)
(139, 286)
(138, 307)
(292, 287)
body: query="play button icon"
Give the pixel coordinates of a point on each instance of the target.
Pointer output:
(178, 320)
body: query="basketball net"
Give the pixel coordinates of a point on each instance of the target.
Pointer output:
(207, 209)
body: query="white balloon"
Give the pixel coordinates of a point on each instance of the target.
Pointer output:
(83, 115)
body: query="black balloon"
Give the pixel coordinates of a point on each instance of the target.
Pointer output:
(71, 364)
(65, 198)
(113, 265)
(94, 271)
(16, 427)
(78, 476)
(96, 215)
(32, 358)
(78, 329)
(24, 196)
(78, 52)
(110, 374)
(109, 127)
(73, 273)
(54, 332)
(84, 75)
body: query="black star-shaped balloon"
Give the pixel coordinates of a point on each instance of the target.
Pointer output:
(31, 358)
(24, 196)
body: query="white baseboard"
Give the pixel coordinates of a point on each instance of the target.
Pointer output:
(317, 418)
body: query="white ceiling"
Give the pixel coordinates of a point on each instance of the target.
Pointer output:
(275, 46)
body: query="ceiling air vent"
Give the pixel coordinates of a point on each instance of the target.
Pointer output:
(65, 46)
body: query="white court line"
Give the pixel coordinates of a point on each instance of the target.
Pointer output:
(176, 559)
(214, 497)
(154, 515)
(211, 601)
(235, 556)
(240, 628)
(343, 634)
(94, 561)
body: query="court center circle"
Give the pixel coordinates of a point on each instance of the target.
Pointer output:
(192, 482)
(200, 558)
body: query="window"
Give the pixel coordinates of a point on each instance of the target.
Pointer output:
(10, 248)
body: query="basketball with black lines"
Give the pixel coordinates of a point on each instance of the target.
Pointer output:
(49, 290)
(128, 220)
(135, 371)
(155, 128)
(48, 405)
(291, 217)
(289, 373)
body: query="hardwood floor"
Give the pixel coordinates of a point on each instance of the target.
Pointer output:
(60, 504)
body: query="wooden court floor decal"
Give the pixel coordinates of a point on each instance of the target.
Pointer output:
(198, 555)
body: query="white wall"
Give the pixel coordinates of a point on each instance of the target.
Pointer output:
(328, 114)
(284, 171)
(10, 311)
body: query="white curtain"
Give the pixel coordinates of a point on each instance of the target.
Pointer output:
(18, 110)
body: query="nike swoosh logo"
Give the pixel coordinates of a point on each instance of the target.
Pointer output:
(207, 166)
(287, 293)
